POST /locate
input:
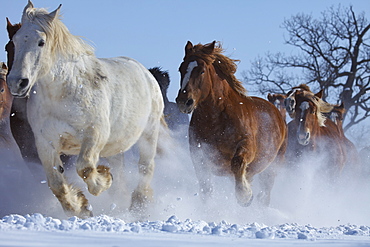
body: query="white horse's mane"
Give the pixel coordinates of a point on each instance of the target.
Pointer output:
(64, 43)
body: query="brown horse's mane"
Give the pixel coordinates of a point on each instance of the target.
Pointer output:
(303, 86)
(225, 67)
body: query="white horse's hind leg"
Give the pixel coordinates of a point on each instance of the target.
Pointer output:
(98, 179)
(143, 193)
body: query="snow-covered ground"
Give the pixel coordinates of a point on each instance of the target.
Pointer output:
(304, 210)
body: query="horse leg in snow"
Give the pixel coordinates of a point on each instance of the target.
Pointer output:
(202, 171)
(73, 201)
(243, 174)
(267, 177)
(118, 190)
(147, 144)
(98, 179)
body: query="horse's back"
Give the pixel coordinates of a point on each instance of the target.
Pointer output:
(136, 101)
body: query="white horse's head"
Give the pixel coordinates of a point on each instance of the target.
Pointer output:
(32, 49)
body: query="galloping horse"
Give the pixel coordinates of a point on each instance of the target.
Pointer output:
(278, 100)
(9, 151)
(318, 133)
(175, 119)
(229, 133)
(19, 124)
(82, 105)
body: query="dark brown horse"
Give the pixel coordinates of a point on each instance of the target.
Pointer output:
(9, 151)
(318, 134)
(278, 100)
(20, 127)
(175, 119)
(230, 133)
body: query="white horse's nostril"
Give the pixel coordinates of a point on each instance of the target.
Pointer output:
(23, 83)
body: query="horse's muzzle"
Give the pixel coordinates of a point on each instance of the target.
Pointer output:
(303, 138)
(185, 106)
(19, 87)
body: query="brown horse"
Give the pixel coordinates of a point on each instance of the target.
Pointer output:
(9, 151)
(19, 125)
(352, 155)
(278, 101)
(289, 101)
(229, 133)
(318, 133)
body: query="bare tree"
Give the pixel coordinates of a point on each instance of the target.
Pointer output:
(333, 55)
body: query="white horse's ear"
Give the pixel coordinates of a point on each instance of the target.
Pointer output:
(28, 6)
(55, 13)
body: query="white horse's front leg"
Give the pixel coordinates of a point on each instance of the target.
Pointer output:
(73, 201)
(98, 179)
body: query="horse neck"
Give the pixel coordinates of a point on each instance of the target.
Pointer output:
(220, 91)
(6, 99)
(64, 72)
(282, 111)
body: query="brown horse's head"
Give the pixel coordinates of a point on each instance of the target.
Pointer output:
(203, 65)
(6, 97)
(308, 115)
(337, 114)
(193, 71)
(290, 102)
(278, 101)
(9, 47)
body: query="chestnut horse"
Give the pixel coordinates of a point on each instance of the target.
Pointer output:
(318, 134)
(19, 124)
(9, 151)
(229, 133)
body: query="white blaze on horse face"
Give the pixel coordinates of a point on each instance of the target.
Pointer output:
(186, 79)
(277, 103)
(304, 107)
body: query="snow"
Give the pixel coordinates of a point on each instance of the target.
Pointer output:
(38, 230)
(304, 210)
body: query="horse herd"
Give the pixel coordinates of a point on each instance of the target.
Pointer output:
(69, 103)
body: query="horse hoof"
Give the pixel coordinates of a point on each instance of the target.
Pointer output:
(246, 203)
(140, 200)
(85, 213)
(97, 180)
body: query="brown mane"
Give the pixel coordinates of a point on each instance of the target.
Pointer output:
(302, 86)
(224, 66)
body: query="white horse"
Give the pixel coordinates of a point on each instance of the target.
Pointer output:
(86, 106)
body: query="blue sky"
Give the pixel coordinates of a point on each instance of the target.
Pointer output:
(155, 32)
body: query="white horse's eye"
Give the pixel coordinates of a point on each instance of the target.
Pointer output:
(42, 43)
